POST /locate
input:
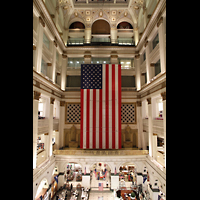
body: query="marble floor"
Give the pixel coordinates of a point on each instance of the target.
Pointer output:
(102, 195)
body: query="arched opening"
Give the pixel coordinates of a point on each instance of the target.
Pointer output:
(124, 25)
(100, 27)
(127, 175)
(77, 25)
(42, 189)
(100, 174)
(73, 174)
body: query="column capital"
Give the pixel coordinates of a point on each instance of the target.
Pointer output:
(149, 100)
(137, 56)
(163, 94)
(41, 21)
(64, 56)
(52, 100)
(139, 103)
(160, 22)
(146, 43)
(62, 103)
(36, 95)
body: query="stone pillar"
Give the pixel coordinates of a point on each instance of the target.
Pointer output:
(86, 180)
(136, 35)
(154, 191)
(38, 53)
(36, 97)
(63, 71)
(145, 16)
(88, 32)
(114, 181)
(148, 69)
(150, 123)
(137, 68)
(114, 59)
(50, 125)
(61, 124)
(87, 59)
(113, 33)
(154, 146)
(163, 94)
(162, 46)
(140, 126)
(53, 75)
(139, 178)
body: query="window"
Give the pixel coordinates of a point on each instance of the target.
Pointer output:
(75, 62)
(100, 61)
(144, 56)
(44, 67)
(155, 41)
(126, 63)
(73, 81)
(41, 109)
(46, 41)
(157, 68)
(128, 81)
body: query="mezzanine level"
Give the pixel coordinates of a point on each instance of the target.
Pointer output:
(43, 125)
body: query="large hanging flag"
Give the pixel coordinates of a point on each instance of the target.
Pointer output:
(100, 106)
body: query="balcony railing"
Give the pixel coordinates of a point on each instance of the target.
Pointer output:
(157, 126)
(43, 125)
(107, 152)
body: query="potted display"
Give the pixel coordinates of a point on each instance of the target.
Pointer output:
(133, 195)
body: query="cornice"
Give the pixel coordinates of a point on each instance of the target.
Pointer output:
(155, 17)
(42, 9)
(38, 77)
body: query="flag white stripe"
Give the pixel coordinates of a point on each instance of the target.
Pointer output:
(116, 107)
(91, 120)
(84, 118)
(103, 107)
(110, 106)
(97, 118)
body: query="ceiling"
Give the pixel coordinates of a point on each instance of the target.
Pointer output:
(113, 11)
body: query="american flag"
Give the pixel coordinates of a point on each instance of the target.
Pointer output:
(100, 186)
(100, 106)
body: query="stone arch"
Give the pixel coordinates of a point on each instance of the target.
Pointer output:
(64, 166)
(100, 26)
(76, 19)
(122, 163)
(111, 168)
(124, 19)
(43, 182)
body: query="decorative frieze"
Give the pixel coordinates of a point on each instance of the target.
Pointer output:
(163, 94)
(149, 100)
(139, 103)
(160, 22)
(36, 95)
(41, 21)
(62, 103)
(52, 100)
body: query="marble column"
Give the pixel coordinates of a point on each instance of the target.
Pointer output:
(163, 94)
(138, 74)
(36, 97)
(61, 124)
(162, 46)
(150, 124)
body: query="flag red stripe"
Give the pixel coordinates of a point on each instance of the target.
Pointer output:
(119, 105)
(81, 137)
(107, 106)
(94, 119)
(113, 106)
(100, 119)
(88, 119)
